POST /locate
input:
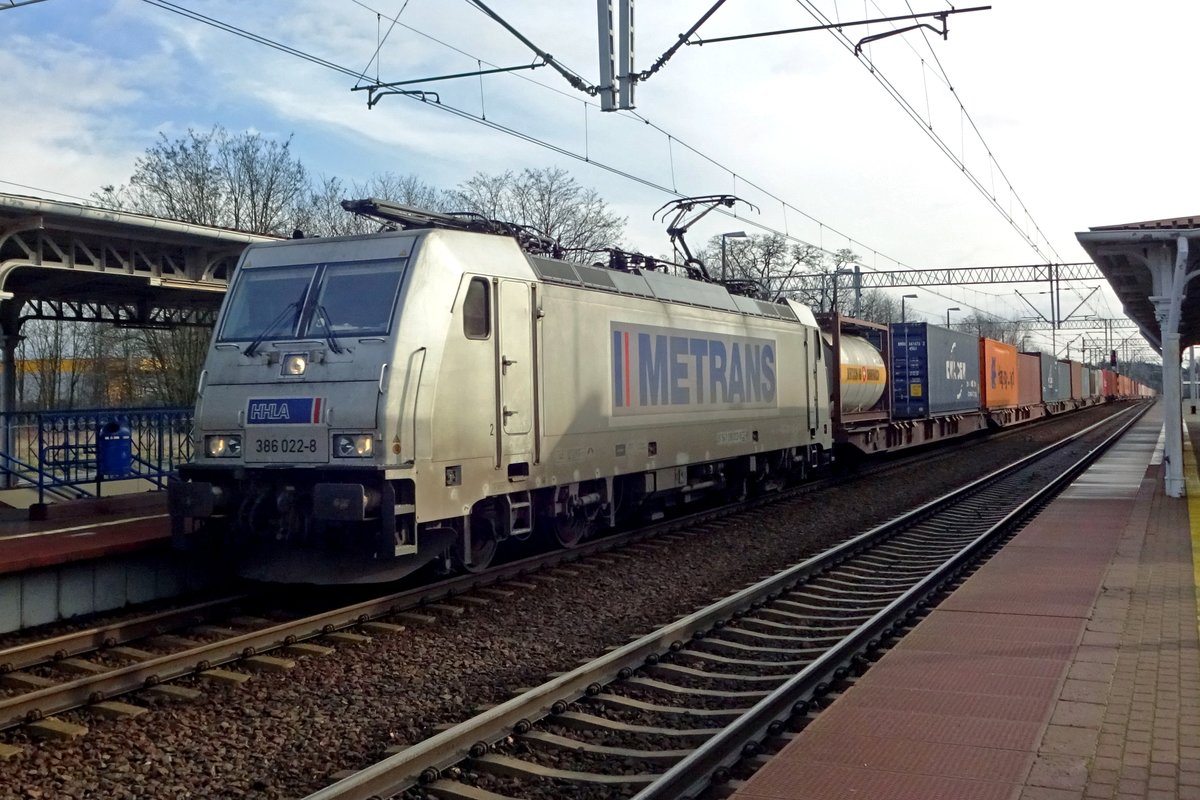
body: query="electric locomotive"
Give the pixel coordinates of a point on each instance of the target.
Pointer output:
(370, 404)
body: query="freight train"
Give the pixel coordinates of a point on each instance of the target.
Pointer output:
(944, 383)
(371, 404)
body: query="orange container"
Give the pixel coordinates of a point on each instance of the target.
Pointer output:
(998, 373)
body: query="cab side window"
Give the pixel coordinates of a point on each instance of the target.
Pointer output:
(477, 314)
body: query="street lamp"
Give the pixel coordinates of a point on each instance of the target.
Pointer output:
(948, 310)
(724, 236)
(902, 299)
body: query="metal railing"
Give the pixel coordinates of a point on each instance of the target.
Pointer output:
(60, 452)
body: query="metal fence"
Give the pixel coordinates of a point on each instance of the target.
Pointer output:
(71, 454)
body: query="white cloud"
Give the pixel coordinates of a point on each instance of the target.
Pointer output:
(1080, 101)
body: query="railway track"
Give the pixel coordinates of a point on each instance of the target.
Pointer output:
(91, 667)
(679, 710)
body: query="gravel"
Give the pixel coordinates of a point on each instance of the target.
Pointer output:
(284, 735)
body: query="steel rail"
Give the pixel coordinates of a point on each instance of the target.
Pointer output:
(695, 772)
(77, 643)
(424, 761)
(40, 703)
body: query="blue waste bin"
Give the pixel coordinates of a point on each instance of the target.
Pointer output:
(114, 450)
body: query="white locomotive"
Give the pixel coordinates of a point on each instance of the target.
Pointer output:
(372, 403)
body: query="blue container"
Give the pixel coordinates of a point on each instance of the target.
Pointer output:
(1056, 379)
(1062, 379)
(114, 450)
(934, 370)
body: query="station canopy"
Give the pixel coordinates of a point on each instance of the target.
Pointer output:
(1139, 261)
(62, 260)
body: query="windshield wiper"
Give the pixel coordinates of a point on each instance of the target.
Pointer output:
(323, 316)
(253, 346)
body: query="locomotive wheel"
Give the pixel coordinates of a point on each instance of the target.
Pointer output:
(742, 486)
(568, 532)
(483, 547)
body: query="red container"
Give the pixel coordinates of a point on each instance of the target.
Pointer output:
(1110, 383)
(998, 374)
(1029, 379)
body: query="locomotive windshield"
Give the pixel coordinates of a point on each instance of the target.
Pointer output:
(354, 298)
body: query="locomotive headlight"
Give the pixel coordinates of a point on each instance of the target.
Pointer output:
(353, 445)
(223, 445)
(294, 364)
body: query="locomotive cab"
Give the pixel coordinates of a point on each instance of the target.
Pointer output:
(297, 415)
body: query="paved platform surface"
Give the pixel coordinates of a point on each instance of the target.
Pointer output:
(84, 530)
(1066, 668)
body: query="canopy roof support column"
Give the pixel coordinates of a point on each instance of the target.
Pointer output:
(1170, 283)
(10, 338)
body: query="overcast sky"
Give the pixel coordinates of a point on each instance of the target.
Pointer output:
(1084, 105)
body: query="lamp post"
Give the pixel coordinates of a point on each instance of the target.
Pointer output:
(903, 298)
(948, 310)
(724, 236)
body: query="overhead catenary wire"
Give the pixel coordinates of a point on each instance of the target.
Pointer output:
(993, 164)
(586, 157)
(865, 59)
(297, 52)
(357, 74)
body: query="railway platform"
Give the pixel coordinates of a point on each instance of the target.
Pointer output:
(1065, 668)
(90, 557)
(83, 530)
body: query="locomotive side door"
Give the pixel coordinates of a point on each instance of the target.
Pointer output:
(515, 407)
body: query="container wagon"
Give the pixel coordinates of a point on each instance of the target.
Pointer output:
(998, 381)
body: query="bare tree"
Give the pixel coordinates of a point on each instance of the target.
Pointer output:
(264, 185)
(800, 272)
(170, 361)
(1009, 331)
(771, 262)
(51, 372)
(243, 181)
(877, 306)
(549, 200)
(323, 214)
(407, 190)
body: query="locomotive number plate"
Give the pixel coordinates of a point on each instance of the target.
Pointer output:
(295, 444)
